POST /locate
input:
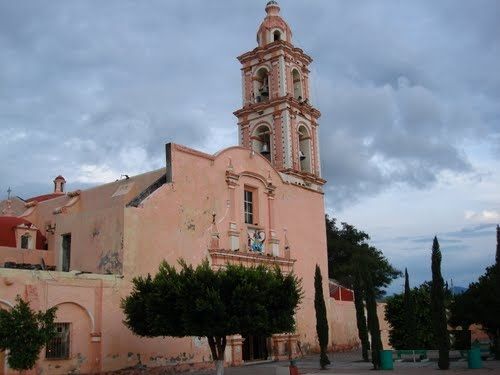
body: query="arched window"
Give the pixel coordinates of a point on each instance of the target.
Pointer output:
(261, 85)
(297, 85)
(276, 35)
(25, 241)
(304, 149)
(261, 141)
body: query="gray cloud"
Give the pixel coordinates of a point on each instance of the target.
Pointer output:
(94, 89)
(398, 94)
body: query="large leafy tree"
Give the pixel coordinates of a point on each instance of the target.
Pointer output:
(395, 314)
(350, 261)
(481, 304)
(24, 332)
(438, 310)
(321, 319)
(200, 301)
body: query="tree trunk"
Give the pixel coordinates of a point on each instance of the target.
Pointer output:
(373, 323)
(361, 321)
(219, 367)
(218, 347)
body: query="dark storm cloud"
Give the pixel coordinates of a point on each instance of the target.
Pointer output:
(399, 85)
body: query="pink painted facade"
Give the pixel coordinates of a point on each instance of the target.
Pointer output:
(241, 205)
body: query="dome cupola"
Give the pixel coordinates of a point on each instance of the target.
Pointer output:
(273, 28)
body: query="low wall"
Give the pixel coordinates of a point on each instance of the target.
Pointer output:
(343, 327)
(9, 254)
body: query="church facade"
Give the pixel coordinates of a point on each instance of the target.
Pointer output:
(260, 202)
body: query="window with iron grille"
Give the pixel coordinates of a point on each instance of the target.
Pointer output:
(58, 347)
(248, 201)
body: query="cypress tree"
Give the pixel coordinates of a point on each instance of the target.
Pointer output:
(321, 319)
(361, 318)
(373, 323)
(410, 323)
(439, 321)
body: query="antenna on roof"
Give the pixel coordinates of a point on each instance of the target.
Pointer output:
(9, 190)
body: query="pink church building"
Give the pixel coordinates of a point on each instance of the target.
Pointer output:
(260, 202)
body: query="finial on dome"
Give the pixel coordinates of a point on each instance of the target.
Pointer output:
(272, 8)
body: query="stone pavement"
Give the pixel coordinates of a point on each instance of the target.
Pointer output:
(349, 364)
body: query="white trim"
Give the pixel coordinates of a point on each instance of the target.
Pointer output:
(5, 302)
(283, 83)
(316, 143)
(287, 140)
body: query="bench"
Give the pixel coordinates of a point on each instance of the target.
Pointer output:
(421, 353)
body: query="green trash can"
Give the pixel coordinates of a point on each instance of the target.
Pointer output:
(474, 358)
(386, 360)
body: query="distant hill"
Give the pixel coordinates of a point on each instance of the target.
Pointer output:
(458, 289)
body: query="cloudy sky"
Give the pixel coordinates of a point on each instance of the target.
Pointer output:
(409, 94)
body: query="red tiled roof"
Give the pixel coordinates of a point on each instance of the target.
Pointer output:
(8, 234)
(44, 197)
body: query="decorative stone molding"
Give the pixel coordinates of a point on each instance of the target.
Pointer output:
(221, 257)
(284, 346)
(236, 344)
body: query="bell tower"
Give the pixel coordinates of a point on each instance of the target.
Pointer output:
(277, 119)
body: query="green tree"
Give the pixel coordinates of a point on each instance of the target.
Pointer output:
(373, 322)
(24, 332)
(464, 309)
(361, 317)
(321, 319)
(212, 303)
(485, 297)
(395, 316)
(347, 250)
(438, 309)
(410, 323)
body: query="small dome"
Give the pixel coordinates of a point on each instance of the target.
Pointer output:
(273, 24)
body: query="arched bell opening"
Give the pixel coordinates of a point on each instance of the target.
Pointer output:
(276, 35)
(261, 141)
(297, 85)
(261, 85)
(304, 149)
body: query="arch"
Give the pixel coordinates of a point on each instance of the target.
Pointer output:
(271, 167)
(89, 314)
(277, 35)
(6, 303)
(305, 148)
(297, 85)
(261, 84)
(261, 140)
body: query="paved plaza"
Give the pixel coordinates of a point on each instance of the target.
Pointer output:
(348, 363)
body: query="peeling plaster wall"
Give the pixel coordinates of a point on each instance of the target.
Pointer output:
(83, 301)
(95, 222)
(175, 221)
